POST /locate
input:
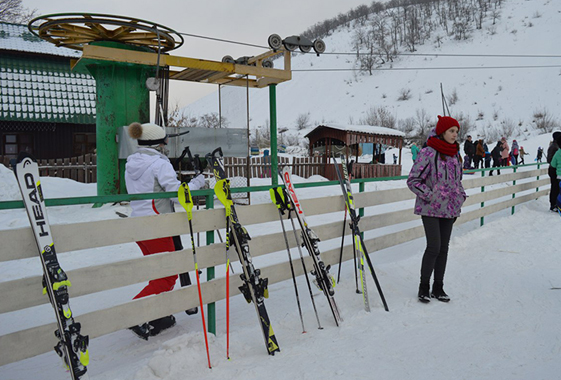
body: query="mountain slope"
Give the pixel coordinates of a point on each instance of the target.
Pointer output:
(489, 95)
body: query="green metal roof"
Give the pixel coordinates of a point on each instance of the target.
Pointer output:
(43, 88)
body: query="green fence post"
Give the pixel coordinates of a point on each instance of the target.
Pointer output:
(482, 221)
(513, 194)
(211, 307)
(361, 190)
(538, 178)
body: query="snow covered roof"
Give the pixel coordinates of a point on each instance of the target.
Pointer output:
(17, 37)
(363, 129)
(44, 89)
(39, 85)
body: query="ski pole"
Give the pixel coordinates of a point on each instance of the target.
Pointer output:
(279, 200)
(184, 196)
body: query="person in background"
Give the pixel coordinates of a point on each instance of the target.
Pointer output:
(414, 151)
(539, 155)
(514, 151)
(479, 154)
(148, 170)
(496, 155)
(552, 171)
(469, 150)
(436, 180)
(556, 164)
(522, 154)
(505, 153)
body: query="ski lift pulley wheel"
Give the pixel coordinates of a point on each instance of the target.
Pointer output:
(152, 84)
(319, 46)
(275, 42)
(268, 64)
(74, 30)
(228, 59)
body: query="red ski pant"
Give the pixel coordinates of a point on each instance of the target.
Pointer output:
(160, 285)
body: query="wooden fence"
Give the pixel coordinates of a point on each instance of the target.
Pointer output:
(82, 169)
(21, 293)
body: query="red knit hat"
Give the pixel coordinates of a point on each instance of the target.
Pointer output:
(445, 123)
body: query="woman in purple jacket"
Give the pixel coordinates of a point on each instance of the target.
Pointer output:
(436, 179)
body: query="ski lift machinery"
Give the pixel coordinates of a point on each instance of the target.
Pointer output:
(119, 45)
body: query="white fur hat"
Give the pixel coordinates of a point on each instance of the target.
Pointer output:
(147, 134)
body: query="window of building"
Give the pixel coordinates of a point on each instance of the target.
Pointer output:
(84, 143)
(13, 144)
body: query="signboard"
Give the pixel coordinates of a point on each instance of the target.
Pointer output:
(233, 141)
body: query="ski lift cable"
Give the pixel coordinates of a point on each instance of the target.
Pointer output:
(396, 54)
(431, 68)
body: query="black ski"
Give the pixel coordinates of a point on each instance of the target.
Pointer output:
(72, 346)
(357, 246)
(254, 288)
(310, 240)
(358, 241)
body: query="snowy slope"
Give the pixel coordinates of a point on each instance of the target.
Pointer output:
(498, 94)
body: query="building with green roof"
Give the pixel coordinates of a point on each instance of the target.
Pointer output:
(45, 108)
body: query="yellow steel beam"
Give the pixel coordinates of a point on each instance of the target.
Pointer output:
(151, 59)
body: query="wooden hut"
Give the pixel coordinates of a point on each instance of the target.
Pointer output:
(329, 139)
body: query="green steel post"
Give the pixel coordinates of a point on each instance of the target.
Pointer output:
(122, 98)
(211, 307)
(273, 117)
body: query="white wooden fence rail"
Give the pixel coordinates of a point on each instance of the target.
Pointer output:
(24, 293)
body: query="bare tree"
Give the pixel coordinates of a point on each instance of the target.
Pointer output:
(379, 117)
(13, 11)
(177, 119)
(303, 121)
(544, 121)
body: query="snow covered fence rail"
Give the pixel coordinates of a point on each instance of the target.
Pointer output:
(23, 293)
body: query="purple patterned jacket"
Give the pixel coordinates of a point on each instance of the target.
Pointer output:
(437, 184)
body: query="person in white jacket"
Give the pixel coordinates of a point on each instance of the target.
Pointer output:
(149, 170)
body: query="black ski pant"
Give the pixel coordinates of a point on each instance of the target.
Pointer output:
(554, 191)
(437, 232)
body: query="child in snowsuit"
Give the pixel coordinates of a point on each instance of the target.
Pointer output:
(148, 170)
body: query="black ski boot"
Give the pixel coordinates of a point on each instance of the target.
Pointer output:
(161, 324)
(142, 331)
(438, 292)
(192, 311)
(424, 294)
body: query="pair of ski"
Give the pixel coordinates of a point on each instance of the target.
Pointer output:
(254, 288)
(72, 347)
(287, 200)
(359, 248)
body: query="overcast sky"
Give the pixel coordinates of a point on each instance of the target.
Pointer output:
(249, 21)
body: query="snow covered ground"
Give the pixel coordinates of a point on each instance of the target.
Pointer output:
(502, 322)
